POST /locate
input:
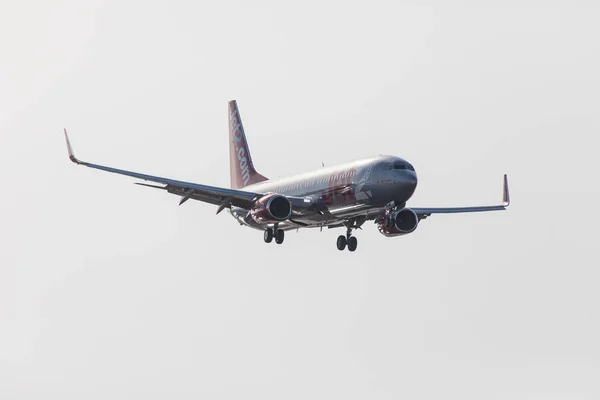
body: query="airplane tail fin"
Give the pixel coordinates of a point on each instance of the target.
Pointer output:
(240, 162)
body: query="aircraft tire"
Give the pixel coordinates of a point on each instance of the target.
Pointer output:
(341, 242)
(352, 243)
(268, 236)
(279, 236)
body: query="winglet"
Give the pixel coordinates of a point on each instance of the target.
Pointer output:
(505, 194)
(70, 149)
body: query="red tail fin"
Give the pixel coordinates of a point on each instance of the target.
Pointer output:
(240, 162)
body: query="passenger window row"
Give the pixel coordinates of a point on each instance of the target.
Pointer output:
(321, 181)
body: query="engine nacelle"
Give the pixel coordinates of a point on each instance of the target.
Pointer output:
(397, 223)
(271, 208)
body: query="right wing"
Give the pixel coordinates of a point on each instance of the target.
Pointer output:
(209, 194)
(425, 212)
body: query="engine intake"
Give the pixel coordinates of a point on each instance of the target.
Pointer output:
(398, 223)
(271, 208)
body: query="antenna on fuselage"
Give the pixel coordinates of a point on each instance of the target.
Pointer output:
(322, 163)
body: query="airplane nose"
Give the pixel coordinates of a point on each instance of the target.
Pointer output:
(410, 182)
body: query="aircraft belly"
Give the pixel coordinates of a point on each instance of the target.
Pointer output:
(336, 213)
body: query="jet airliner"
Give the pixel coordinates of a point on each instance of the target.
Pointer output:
(342, 196)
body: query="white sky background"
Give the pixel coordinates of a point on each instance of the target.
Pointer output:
(110, 290)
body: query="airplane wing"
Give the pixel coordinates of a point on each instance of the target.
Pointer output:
(209, 194)
(425, 212)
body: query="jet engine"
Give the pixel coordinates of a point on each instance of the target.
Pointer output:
(271, 208)
(397, 223)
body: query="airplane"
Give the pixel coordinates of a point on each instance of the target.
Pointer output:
(348, 195)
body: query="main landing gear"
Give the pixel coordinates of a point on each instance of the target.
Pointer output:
(278, 234)
(348, 240)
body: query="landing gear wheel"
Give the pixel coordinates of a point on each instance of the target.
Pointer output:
(268, 236)
(341, 242)
(352, 243)
(279, 236)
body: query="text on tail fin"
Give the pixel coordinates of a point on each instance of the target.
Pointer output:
(242, 172)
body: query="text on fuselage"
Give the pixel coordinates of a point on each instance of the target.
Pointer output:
(340, 187)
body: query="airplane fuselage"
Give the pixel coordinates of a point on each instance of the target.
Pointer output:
(361, 186)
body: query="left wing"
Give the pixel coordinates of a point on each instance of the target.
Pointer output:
(425, 212)
(209, 194)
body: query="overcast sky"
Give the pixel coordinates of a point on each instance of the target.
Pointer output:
(110, 290)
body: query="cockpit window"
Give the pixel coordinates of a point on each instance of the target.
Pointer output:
(401, 165)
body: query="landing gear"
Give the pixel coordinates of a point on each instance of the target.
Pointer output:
(348, 240)
(352, 243)
(279, 236)
(341, 242)
(268, 236)
(276, 233)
